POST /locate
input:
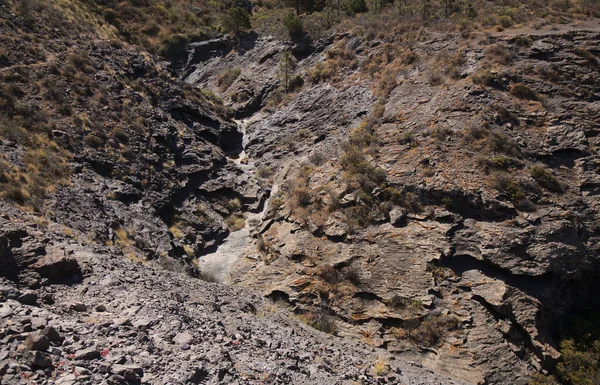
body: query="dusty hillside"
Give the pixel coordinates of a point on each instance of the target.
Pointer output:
(417, 182)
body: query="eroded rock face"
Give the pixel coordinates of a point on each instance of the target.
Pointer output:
(145, 324)
(29, 258)
(506, 269)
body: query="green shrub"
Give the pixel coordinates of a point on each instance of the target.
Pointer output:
(236, 20)
(11, 130)
(540, 379)
(498, 163)
(173, 45)
(432, 330)
(302, 196)
(93, 141)
(508, 185)
(501, 53)
(590, 7)
(505, 21)
(435, 77)
(485, 78)
(580, 364)
(16, 194)
(501, 143)
(352, 274)
(329, 274)
(402, 303)
(235, 222)
(317, 158)
(80, 60)
(293, 25)
(351, 7)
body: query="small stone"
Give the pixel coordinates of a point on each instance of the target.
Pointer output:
(28, 298)
(87, 354)
(79, 306)
(80, 371)
(348, 199)
(200, 374)
(69, 379)
(56, 351)
(48, 299)
(51, 333)
(39, 359)
(115, 379)
(183, 338)
(185, 347)
(38, 323)
(129, 372)
(36, 341)
(5, 311)
(3, 367)
(100, 308)
(398, 217)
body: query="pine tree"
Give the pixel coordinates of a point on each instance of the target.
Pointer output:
(236, 20)
(287, 66)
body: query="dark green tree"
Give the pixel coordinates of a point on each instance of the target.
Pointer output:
(294, 26)
(448, 7)
(351, 7)
(236, 21)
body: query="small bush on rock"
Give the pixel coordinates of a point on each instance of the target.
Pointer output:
(226, 78)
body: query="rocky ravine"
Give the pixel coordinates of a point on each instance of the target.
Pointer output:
(96, 281)
(469, 272)
(74, 314)
(507, 266)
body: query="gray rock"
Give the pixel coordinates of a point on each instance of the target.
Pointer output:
(128, 372)
(28, 298)
(36, 341)
(398, 216)
(78, 306)
(86, 354)
(5, 310)
(116, 379)
(48, 299)
(51, 333)
(183, 338)
(39, 359)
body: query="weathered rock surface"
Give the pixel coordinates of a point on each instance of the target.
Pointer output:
(507, 270)
(230, 336)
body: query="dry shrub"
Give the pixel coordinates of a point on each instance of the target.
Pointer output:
(501, 54)
(226, 78)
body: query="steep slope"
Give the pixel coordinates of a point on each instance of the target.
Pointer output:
(457, 223)
(428, 195)
(146, 154)
(113, 174)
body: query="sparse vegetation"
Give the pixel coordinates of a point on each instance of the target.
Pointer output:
(294, 26)
(317, 158)
(522, 91)
(226, 79)
(320, 320)
(235, 222)
(500, 53)
(236, 21)
(546, 179)
(433, 329)
(381, 367)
